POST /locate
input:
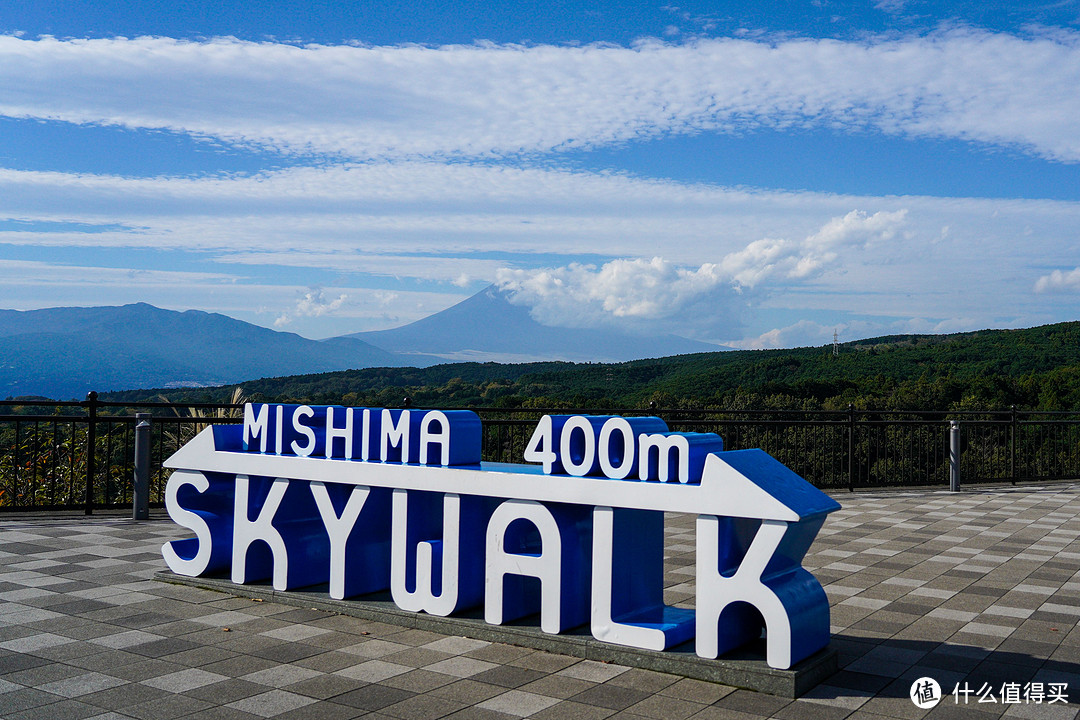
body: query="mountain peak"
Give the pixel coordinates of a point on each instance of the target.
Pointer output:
(488, 326)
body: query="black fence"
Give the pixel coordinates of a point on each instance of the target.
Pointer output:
(79, 455)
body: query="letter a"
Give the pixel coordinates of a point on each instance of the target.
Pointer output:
(526, 539)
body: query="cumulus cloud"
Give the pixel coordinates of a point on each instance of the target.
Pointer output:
(1058, 280)
(811, 255)
(648, 295)
(801, 334)
(496, 100)
(314, 303)
(656, 293)
(621, 288)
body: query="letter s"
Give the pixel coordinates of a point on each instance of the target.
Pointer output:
(198, 555)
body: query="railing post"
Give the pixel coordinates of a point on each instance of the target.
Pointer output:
(91, 446)
(954, 456)
(851, 447)
(140, 496)
(1012, 445)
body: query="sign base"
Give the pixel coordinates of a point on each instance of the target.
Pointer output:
(745, 668)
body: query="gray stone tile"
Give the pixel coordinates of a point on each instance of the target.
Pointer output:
(517, 703)
(78, 685)
(167, 707)
(325, 711)
(469, 692)
(271, 703)
(570, 710)
(611, 696)
(62, 710)
(423, 707)
(139, 668)
(280, 675)
(25, 699)
(123, 696)
(593, 671)
(508, 676)
(418, 681)
(461, 667)
(183, 680)
(323, 686)
(456, 645)
(662, 707)
(34, 643)
(373, 697)
(226, 691)
(373, 671)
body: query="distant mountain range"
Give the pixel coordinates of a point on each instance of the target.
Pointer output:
(63, 353)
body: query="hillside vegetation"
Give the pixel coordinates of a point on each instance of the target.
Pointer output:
(1035, 369)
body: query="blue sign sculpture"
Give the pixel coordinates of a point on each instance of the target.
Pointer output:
(368, 499)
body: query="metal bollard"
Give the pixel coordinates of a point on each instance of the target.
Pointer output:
(954, 456)
(140, 504)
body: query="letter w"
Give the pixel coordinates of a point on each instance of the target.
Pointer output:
(436, 562)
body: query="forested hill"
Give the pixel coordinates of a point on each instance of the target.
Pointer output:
(1034, 368)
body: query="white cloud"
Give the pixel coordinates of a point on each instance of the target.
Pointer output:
(43, 274)
(810, 256)
(646, 296)
(804, 333)
(586, 295)
(491, 100)
(808, 333)
(891, 6)
(314, 303)
(458, 271)
(656, 293)
(1058, 280)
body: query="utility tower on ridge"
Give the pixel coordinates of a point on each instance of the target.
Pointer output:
(835, 345)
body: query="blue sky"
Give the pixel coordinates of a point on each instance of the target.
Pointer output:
(750, 174)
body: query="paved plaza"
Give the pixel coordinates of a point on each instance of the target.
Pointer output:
(979, 590)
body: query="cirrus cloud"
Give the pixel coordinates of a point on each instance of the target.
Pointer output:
(490, 100)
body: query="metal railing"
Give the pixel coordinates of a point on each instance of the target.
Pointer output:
(61, 460)
(79, 455)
